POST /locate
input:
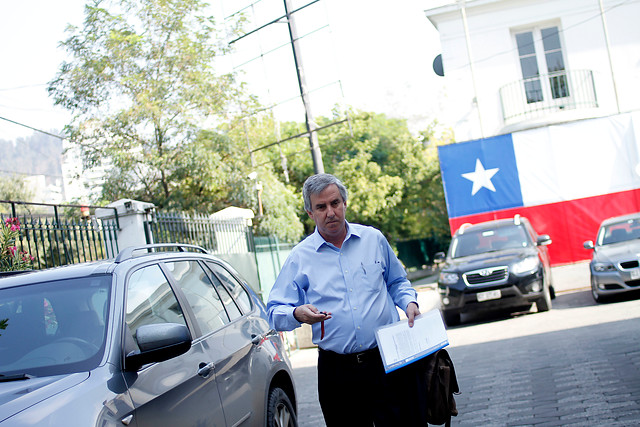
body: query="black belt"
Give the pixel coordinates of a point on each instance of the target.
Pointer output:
(352, 358)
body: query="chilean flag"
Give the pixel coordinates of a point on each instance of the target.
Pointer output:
(564, 178)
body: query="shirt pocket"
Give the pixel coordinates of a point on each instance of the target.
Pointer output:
(370, 276)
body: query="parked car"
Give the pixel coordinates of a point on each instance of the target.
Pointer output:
(501, 264)
(614, 265)
(162, 335)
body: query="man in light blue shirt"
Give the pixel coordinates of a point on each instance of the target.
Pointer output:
(345, 281)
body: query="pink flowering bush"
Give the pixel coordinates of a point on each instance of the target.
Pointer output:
(11, 258)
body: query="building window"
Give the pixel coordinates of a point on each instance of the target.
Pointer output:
(540, 49)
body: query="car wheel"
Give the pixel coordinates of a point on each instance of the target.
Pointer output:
(594, 292)
(451, 319)
(544, 302)
(280, 411)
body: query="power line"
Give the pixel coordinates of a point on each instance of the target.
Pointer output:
(32, 128)
(6, 89)
(10, 172)
(279, 19)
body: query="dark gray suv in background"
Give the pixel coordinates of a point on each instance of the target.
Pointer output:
(162, 335)
(501, 264)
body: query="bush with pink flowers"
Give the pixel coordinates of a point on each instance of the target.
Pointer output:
(12, 259)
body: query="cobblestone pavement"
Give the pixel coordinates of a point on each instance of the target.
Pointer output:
(578, 364)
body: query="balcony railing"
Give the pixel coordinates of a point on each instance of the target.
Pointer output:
(545, 94)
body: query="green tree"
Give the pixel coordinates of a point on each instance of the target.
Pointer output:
(141, 84)
(393, 177)
(279, 201)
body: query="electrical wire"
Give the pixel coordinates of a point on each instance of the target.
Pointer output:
(32, 128)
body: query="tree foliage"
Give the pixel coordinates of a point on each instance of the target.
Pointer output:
(393, 177)
(149, 108)
(141, 84)
(279, 201)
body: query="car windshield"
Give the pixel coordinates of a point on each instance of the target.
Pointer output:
(477, 242)
(53, 328)
(619, 232)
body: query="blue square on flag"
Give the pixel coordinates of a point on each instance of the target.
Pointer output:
(480, 176)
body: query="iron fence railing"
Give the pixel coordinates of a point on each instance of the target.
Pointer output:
(547, 93)
(58, 235)
(218, 236)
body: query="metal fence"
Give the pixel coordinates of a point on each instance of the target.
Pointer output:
(219, 236)
(58, 235)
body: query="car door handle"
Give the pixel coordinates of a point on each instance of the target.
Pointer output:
(205, 369)
(257, 339)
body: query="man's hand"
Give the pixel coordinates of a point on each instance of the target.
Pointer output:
(309, 314)
(412, 311)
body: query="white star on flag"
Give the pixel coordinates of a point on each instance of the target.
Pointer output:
(481, 177)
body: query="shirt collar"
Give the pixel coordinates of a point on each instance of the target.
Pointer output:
(318, 240)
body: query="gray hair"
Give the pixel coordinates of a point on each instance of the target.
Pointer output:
(316, 184)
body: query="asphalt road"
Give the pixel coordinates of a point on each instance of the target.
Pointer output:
(577, 364)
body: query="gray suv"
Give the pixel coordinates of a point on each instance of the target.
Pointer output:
(501, 264)
(162, 335)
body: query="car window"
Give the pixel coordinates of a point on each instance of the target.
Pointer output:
(235, 288)
(200, 293)
(619, 232)
(477, 242)
(229, 303)
(150, 299)
(54, 327)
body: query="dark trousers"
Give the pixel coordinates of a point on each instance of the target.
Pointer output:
(355, 391)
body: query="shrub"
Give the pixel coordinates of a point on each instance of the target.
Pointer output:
(12, 259)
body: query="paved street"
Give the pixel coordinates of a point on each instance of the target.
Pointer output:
(578, 364)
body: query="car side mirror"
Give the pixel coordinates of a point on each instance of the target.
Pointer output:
(543, 240)
(157, 343)
(588, 244)
(438, 257)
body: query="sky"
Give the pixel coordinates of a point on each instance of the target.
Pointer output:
(374, 55)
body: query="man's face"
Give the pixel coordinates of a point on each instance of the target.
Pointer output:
(327, 211)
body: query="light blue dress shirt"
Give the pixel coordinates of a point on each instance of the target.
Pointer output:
(360, 284)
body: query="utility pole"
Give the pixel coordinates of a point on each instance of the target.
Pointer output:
(606, 39)
(316, 154)
(463, 11)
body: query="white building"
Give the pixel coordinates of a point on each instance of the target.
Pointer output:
(45, 190)
(511, 65)
(79, 185)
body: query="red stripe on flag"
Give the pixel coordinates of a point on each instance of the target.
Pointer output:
(568, 223)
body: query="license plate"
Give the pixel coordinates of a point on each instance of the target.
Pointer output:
(635, 274)
(489, 295)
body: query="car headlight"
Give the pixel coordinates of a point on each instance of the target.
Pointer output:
(603, 266)
(527, 264)
(448, 278)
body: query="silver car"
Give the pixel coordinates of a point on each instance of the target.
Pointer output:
(162, 335)
(614, 267)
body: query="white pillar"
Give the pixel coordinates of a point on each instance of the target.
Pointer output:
(132, 215)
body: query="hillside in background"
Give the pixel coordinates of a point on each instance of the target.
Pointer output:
(38, 154)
